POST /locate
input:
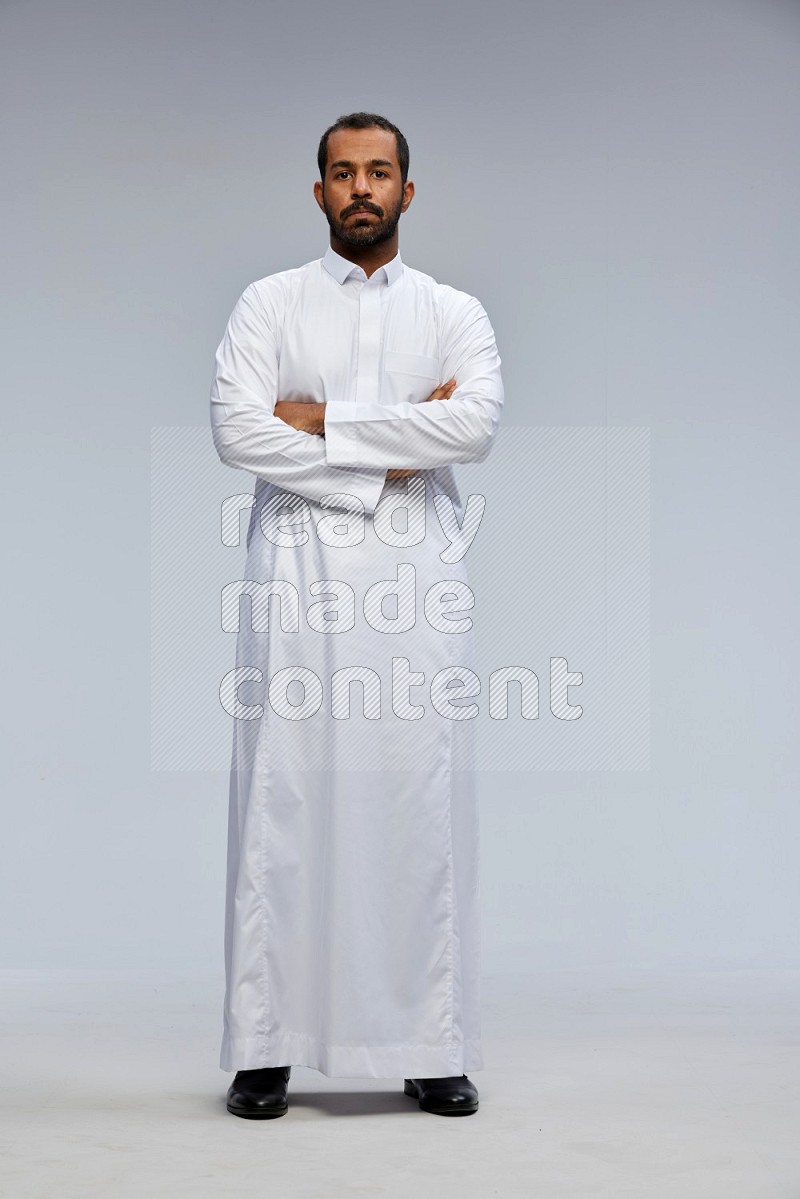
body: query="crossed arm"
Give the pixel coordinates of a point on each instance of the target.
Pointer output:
(355, 447)
(310, 418)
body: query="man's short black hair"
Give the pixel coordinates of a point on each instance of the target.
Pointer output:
(364, 120)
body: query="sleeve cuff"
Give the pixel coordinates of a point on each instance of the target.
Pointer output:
(365, 485)
(341, 434)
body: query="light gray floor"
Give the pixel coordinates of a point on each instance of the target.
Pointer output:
(679, 1086)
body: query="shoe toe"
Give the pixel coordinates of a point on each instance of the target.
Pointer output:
(259, 1094)
(444, 1096)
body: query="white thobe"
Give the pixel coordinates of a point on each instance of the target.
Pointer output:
(352, 932)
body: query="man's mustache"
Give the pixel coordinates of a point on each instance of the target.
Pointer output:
(360, 208)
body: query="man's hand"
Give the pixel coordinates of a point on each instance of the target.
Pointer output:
(308, 417)
(442, 392)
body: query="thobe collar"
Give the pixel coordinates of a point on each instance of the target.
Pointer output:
(343, 268)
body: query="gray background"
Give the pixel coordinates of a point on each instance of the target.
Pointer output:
(617, 182)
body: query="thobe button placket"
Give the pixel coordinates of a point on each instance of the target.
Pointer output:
(369, 338)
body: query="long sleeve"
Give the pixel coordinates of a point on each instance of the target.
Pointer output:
(248, 436)
(436, 432)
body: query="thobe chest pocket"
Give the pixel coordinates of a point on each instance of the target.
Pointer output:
(410, 376)
(411, 364)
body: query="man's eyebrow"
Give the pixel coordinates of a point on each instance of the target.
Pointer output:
(373, 162)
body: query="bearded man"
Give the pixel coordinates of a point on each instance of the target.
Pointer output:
(350, 387)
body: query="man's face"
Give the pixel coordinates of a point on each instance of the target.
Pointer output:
(363, 173)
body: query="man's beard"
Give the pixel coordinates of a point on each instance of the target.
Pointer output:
(368, 232)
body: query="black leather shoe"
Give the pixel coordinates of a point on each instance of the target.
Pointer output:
(260, 1094)
(444, 1096)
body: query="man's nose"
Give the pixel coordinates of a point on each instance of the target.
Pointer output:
(360, 185)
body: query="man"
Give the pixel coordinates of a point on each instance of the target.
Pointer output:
(349, 387)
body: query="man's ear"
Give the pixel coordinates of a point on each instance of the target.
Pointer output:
(408, 195)
(318, 194)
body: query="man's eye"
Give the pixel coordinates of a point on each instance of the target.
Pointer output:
(380, 172)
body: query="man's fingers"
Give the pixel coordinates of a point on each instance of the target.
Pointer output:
(400, 472)
(443, 391)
